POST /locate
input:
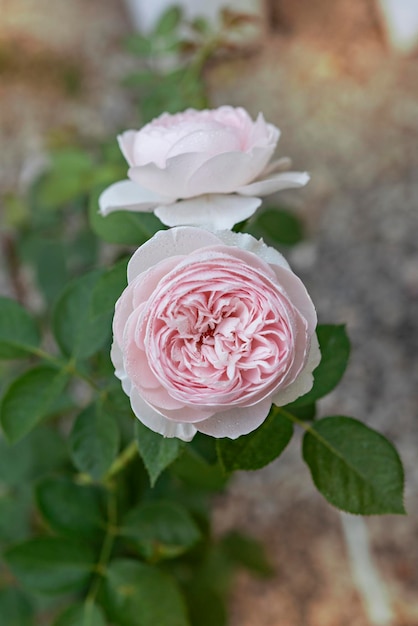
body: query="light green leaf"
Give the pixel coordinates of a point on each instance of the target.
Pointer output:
(78, 331)
(124, 227)
(160, 530)
(87, 614)
(51, 565)
(139, 594)
(18, 331)
(69, 177)
(94, 441)
(29, 399)
(194, 469)
(168, 22)
(355, 468)
(71, 510)
(335, 351)
(156, 451)
(257, 449)
(15, 608)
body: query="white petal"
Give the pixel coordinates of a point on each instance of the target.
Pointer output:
(247, 242)
(285, 180)
(298, 296)
(128, 196)
(215, 211)
(158, 423)
(304, 381)
(165, 243)
(233, 423)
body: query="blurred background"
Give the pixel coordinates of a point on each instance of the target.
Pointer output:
(340, 79)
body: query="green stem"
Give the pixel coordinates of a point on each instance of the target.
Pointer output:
(124, 458)
(69, 366)
(106, 551)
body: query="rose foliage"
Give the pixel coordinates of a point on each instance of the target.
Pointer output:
(131, 391)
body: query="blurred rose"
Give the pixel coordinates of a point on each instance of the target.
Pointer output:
(210, 331)
(219, 158)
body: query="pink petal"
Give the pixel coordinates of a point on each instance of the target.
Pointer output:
(304, 381)
(233, 423)
(172, 179)
(181, 240)
(258, 247)
(298, 295)
(285, 180)
(126, 143)
(128, 196)
(224, 173)
(157, 422)
(216, 211)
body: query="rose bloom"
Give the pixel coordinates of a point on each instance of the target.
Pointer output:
(211, 329)
(205, 168)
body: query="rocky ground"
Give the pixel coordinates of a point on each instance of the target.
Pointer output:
(348, 111)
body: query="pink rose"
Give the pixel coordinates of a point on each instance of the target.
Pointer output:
(219, 158)
(211, 330)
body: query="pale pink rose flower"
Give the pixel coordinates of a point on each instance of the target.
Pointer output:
(210, 331)
(204, 168)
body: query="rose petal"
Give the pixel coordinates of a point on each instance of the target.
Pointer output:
(169, 243)
(126, 143)
(298, 295)
(226, 172)
(128, 196)
(257, 247)
(158, 423)
(285, 180)
(304, 381)
(233, 423)
(216, 211)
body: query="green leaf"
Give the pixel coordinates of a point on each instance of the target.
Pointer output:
(87, 614)
(257, 449)
(123, 227)
(168, 22)
(139, 594)
(29, 399)
(247, 552)
(160, 530)
(139, 45)
(197, 472)
(18, 331)
(277, 226)
(335, 351)
(78, 331)
(51, 565)
(69, 177)
(15, 513)
(94, 441)
(15, 608)
(207, 607)
(156, 451)
(71, 510)
(355, 468)
(108, 289)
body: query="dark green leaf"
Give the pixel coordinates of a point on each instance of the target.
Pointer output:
(71, 510)
(15, 608)
(51, 565)
(247, 552)
(109, 288)
(258, 448)
(160, 530)
(335, 350)
(78, 331)
(29, 399)
(355, 468)
(277, 226)
(207, 607)
(94, 441)
(156, 451)
(123, 227)
(15, 513)
(87, 614)
(139, 594)
(168, 21)
(18, 331)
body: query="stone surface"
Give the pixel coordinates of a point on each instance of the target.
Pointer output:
(348, 112)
